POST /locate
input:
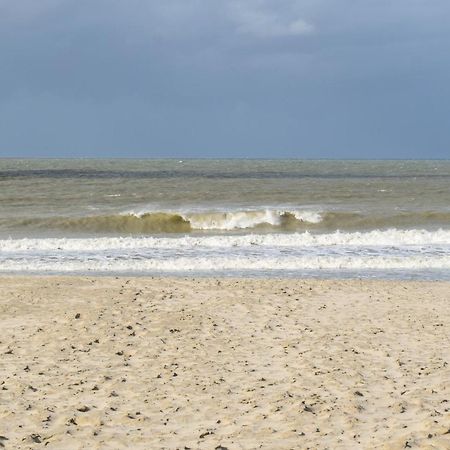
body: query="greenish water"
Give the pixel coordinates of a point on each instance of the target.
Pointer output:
(157, 196)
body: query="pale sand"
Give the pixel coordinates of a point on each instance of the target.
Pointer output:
(177, 363)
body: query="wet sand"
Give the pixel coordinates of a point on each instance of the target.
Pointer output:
(146, 363)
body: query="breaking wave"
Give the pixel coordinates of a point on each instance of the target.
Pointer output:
(178, 222)
(263, 220)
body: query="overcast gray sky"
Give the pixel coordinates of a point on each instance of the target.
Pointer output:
(225, 78)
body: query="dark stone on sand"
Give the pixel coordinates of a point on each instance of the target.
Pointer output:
(77, 315)
(206, 433)
(84, 409)
(36, 438)
(359, 394)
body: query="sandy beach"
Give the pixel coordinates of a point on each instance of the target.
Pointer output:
(147, 363)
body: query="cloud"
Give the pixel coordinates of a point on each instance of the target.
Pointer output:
(263, 20)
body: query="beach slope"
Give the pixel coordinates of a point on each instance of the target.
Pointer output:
(149, 363)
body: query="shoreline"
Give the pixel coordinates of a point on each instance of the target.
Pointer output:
(175, 362)
(403, 276)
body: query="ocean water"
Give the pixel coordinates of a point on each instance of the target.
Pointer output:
(386, 219)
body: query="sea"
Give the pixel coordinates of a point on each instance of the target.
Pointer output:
(230, 217)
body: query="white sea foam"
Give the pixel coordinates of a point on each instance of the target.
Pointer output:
(232, 220)
(392, 237)
(360, 251)
(239, 264)
(307, 216)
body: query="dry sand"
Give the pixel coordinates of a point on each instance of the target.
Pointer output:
(146, 363)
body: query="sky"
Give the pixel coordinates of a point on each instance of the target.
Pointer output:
(225, 78)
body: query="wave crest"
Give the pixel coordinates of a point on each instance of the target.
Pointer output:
(257, 220)
(178, 222)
